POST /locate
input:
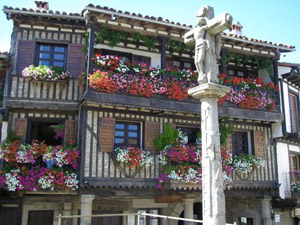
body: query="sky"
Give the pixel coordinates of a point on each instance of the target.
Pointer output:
(271, 20)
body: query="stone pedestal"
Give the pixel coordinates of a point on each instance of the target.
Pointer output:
(188, 210)
(86, 209)
(212, 174)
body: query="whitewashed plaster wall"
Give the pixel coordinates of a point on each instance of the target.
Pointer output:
(283, 169)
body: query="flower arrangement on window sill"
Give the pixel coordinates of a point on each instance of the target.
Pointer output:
(246, 163)
(133, 157)
(38, 166)
(182, 162)
(45, 73)
(249, 93)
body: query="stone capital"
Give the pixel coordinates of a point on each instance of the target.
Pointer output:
(208, 90)
(87, 199)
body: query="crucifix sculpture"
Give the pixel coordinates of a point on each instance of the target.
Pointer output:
(207, 39)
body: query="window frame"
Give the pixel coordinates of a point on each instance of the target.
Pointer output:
(40, 120)
(250, 144)
(126, 131)
(185, 128)
(297, 115)
(51, 53)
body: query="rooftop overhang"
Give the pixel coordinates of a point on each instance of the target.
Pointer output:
(292, 77)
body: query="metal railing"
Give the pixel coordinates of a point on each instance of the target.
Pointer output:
(137, 222)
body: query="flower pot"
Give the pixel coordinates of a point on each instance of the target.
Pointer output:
(50, 163)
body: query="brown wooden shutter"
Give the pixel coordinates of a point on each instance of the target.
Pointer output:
(20, 128)
(259, 143)
(151, 133)
(229, 144)
(70, 135)
(25, 55)
(107, 134)
(75, 60)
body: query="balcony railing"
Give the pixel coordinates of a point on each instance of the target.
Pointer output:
(59, 91)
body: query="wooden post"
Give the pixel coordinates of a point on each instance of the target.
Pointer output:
(163, 52)
(90, 51)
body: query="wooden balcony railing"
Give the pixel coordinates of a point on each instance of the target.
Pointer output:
(104, 171)
(59, 91)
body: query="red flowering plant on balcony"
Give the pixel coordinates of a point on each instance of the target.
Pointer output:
(139, 80)
(133, 157)
(27, 166)
(183, 162)
(249, 93)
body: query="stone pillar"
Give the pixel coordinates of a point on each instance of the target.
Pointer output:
(86, 208)
(188, 210)
(265, 207)
(67, 212)
(212, 174)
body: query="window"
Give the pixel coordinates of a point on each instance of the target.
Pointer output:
(147, 220)
(294, 162)
(245, 221)
(51, 55)
(191, 133)
(138, 59)
(44, 131)
(241, 143)
(293, 99)
(44, 217)
(127, 134)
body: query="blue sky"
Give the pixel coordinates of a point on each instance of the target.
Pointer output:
(270, 20)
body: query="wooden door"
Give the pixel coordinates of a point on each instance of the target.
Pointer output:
(293, 112)
(10, 216)
(41, 217)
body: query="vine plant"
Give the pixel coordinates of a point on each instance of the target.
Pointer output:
(261, 62)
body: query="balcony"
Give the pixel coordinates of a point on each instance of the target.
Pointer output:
(118, 82)
(24, 92)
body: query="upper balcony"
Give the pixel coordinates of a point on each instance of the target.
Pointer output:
(117, 81)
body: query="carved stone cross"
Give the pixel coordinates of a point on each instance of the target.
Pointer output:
(207, 38)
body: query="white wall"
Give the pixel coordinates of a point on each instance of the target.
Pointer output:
(283, 169)
(155, 57)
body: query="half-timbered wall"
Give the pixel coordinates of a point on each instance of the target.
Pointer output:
(99, 165)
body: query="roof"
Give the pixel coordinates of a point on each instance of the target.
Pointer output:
(287, 64)
(138, 16)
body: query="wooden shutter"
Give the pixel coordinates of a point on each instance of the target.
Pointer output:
(151, 133)
(25, 55)
(259, 143)
(75, 60)
(70, 135)
(107, 134)
(20, 128)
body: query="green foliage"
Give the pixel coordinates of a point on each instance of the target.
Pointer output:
(113, 37)
(166, 138)
(261, 62)
(149, 42)
(11, 137)
(224, 132)
(177, 46)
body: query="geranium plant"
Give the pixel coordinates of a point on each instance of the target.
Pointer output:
(58, 131)
(45, 73)
(133, 157)
(22, 173)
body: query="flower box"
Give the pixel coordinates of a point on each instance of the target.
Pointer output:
(44, 73)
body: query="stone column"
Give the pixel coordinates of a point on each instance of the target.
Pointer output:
(212, 174)
(265, 207)
(188, 210)
(86, 208)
